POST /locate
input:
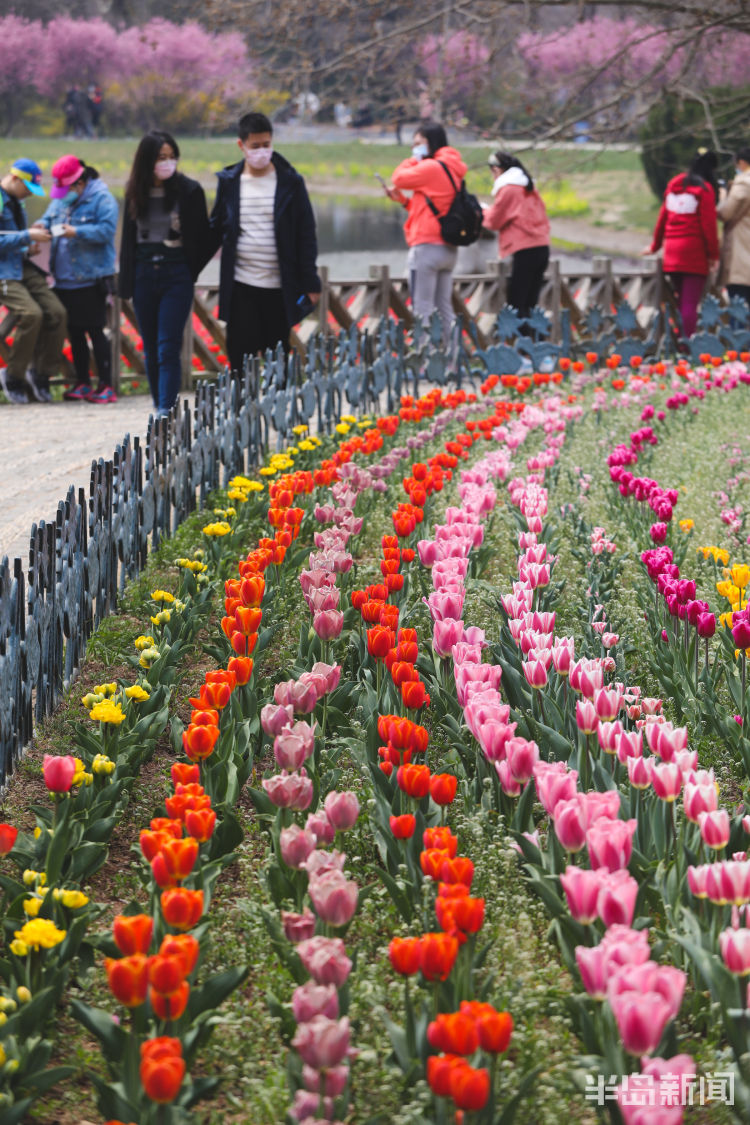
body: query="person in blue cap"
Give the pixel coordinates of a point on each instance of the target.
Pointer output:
(40, 321)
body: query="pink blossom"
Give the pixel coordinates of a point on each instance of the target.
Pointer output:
(298, 927)
(322, 1042)
(334, 897)
(325, 960)
(342, 809)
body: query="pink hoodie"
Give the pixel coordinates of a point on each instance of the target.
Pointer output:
(518, 215)
(427, 178)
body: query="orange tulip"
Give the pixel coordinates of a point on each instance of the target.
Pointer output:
(200, 823)
(166, 973)
(414, 780)
(414, 695)
(458, 869)
(132, 933)
(184, 772)
(162, 1069)
(453, 1032)
(441, 838)
(184, 946)
(204, 718)
(378, 642)
(172, 1005)
(152, 842)
(248, 619)
(242, 666)
(437, 954)
(470, 1087)
(404, 955)
(212, 695)
(403, 826)
(252, 590)
(128, 978)
(443, 788)
(168, 825)
(199, 742)
(180, 857)
(181, 908)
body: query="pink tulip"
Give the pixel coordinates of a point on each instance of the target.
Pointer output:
(715, 828)
(334, 1079)
(609, 734)
(275, 718)
(323, 513)
(342, 809)
(296, 845)
(310, 1000)
(607, 703)
(698, 799)
(334, 897)
(58, 772)
(535, 673)
(562, 658)
(639, 772)
(428, 552)
(321, 828)
(734, 880)
(629, 745)
(569, 819)
(445, 634)
(616, 903)
(581, 889)
(493, 737)
(464, 653)
(666, 780)
(321, 1042)
(521, 755)
(325, 960)
(734, 946)
(302, 697)
(289, 790)
(601, 805)
(508, 783)
(641, 1019)
(625, 946)
(331, 673)
(307, 1107)
(320, 861)
(586, 716)
(664, 980)
(328, 623)
(593, 966)
(610, 843)
(554, 782)
(298, 927)
(293, 746)
(314, 579)
(444, 606)
(697, 878)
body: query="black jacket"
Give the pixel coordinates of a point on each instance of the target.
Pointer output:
(294, 223)
(196, 240)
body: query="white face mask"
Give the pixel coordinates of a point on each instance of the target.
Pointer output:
(258, 157)
(420, 151)
(164, 169)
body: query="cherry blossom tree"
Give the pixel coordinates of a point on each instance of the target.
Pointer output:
(22, 41)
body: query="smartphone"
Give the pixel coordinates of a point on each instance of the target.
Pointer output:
(380, 179)
(56, 230)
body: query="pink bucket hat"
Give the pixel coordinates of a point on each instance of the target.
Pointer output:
(65, 171)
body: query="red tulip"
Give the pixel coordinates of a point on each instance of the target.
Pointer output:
(8, 835)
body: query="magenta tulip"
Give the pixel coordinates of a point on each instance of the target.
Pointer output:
(334, 897)
(296, 845)
(310, 1000)
(734, 946)
(581, 889)
(715, 828)
(322, 1042)
(325, 960)
(298, 927)
(328, 623)
(610, 843)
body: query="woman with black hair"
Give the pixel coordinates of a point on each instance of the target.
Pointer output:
(165, 244)
(519, 216)
(82, 219)
(433, 174)
(686, 228)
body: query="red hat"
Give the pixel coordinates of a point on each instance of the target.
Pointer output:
(66, 171)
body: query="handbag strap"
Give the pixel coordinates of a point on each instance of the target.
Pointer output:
(430, 204)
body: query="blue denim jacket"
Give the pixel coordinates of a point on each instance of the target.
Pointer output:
(14, 241)
(91, 252)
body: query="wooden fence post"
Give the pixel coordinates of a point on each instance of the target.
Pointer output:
(383, 274)
(186, 353)
(324, 302)
(555, 299)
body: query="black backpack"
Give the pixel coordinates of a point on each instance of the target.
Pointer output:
(462, 223)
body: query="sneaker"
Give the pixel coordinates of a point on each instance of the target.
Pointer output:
(14, 391)
(79, 393)
(39, 386)
(103, 393)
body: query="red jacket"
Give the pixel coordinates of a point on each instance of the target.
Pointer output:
(427, 177)
(686, 227)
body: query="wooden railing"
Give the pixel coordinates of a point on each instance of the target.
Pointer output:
(477, 298)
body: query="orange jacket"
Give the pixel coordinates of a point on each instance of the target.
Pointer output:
(519, 217)
(427, 178)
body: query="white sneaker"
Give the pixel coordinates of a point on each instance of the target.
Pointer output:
(39, 387)
(14, 392)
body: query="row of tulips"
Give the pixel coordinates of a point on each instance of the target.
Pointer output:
(47, 917)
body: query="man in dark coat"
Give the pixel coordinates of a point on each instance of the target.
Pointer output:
(264, 223)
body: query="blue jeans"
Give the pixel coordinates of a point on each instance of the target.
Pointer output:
(162, 298)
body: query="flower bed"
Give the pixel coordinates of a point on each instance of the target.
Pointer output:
(413, 697)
